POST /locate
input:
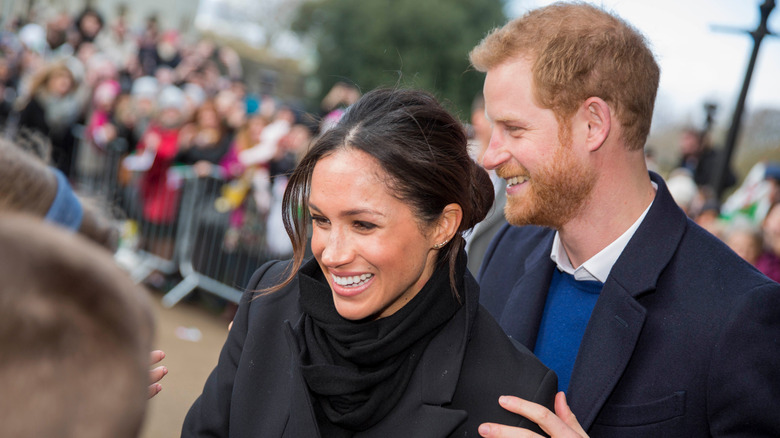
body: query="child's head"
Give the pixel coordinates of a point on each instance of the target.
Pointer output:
(75, 336)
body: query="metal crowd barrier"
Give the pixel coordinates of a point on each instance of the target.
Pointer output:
(220, 244)
(95, 171)
(153, 216)
(186, 225)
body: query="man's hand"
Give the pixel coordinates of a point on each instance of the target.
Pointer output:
(561, 424)
(156, 374)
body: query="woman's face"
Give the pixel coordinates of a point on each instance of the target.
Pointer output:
(59, 83)
(369, 244)
(207, 118)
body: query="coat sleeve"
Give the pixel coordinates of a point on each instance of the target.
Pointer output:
(209, 416)
(744, 377)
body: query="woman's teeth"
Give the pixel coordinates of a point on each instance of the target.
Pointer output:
(355, 280)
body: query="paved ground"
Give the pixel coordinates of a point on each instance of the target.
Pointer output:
(189, 362)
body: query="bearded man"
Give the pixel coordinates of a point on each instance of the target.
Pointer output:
(654, 327)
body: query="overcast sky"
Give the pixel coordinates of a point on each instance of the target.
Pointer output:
(699, 64)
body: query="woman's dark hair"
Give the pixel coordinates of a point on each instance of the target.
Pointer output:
(423, 149)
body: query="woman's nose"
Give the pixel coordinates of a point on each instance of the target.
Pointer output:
(337, 250)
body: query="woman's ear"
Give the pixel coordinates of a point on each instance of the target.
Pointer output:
(448, 223)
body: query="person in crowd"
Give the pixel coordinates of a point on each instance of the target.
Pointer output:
(75, 334)
(204, 142)
(769, 260)
(100, 132)
(709, 218)
(699, 157)
(118, 43)
(683, 189)
(88, 25)
(478, 240)
(654, 327)
(339, 97)
(7, 89)
(236, 195)
(52, 107)
(290, 149)
(380, 333)
(153, 157)
(746, 240)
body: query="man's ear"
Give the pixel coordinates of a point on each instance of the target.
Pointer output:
(448, 223)
(598, 116)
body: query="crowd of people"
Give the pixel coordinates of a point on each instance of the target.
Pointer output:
(130, 105)
(745, 220)
(598, 306)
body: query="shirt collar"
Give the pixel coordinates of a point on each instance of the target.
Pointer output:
(596, 268)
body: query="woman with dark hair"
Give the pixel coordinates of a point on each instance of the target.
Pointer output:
(380, 333)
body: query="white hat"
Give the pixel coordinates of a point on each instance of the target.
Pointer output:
(171, 97)
(145, 86)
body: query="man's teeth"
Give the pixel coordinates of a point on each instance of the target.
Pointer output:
(355, 280)
(516, 180)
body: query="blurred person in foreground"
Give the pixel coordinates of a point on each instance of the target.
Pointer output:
(380, 333)
(75, 334)
(654, 327)
(29, 186)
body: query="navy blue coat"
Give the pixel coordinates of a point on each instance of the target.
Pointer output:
(257, 389)
(684, 340)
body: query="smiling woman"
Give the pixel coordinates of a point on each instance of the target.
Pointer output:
(380, 333)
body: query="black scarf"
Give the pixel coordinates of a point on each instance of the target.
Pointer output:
(358, 370)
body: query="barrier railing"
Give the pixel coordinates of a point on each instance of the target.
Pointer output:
(177, 223)
(219, 246)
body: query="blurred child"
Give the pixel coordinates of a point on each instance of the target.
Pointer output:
(75, 334)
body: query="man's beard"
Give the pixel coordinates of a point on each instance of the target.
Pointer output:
(555, 194)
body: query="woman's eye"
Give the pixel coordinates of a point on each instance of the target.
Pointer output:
(319, 220)
(361, 225)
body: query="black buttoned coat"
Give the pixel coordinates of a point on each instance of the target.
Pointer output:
(684, 340)
(257, 389)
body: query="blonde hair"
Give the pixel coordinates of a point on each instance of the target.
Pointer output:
(580, 51)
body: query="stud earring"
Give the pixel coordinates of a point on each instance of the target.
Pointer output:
(440, 245)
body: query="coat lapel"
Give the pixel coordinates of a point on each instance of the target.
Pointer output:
(605, 350)
(523, 311)
(301, 421)
(618, 317)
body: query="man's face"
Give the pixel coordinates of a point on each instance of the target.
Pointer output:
(547, 182)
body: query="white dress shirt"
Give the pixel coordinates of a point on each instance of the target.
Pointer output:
(597, 267)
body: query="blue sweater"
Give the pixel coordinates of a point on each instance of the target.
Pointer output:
(566, 314)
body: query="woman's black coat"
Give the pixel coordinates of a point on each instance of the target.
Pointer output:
(257, 389)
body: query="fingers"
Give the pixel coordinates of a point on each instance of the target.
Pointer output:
(157, 374)
(153, 390)
(543, 417)
(156, 356)
(492, 430)
(563, 412)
